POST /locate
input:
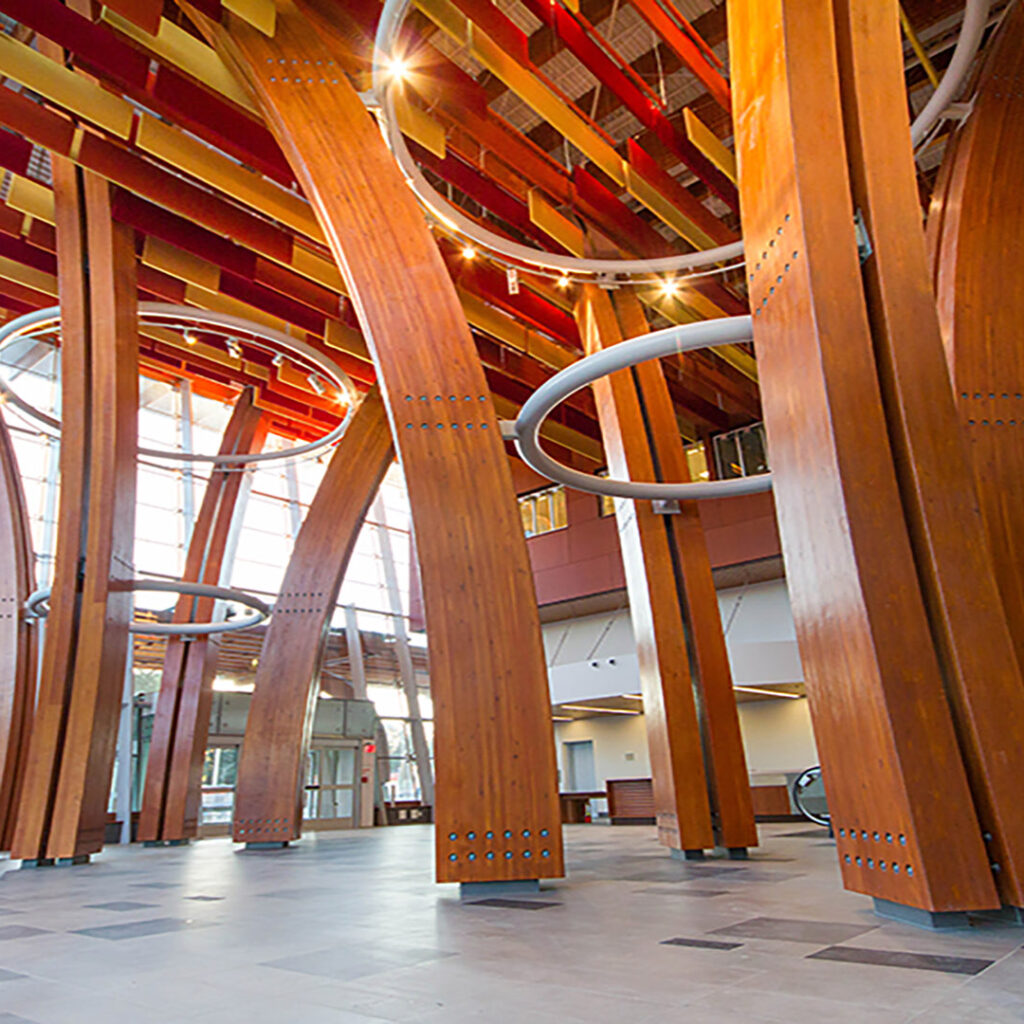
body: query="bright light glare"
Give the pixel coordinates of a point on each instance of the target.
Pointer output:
(563, 281)
(469, 253)
(669, 289)
(398, 68)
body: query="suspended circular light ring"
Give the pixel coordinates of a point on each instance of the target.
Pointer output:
(164, 314)
(683, 338)
(37, 606)
(384, 58)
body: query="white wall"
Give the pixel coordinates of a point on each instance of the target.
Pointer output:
(620, 748)
(595, 656)
(777, 738)
(592, 656)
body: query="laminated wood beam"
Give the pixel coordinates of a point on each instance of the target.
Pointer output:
(490, 698)
(170, 801)
(17, 635)
(681, 796)
(725, 763)
(976, 237)
(63, 802)
(271, 772)
(906, 826)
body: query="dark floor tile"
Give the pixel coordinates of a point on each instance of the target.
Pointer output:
(13, 1018)
(291, 894)
(6, 975)
(157, 885)
(205, 899)
(136, 929)
(21, 931)
(793, 930)
(896, 958)
(120, 905)
(808, 833)
(661, 890)
(512, 904)
(701, 943)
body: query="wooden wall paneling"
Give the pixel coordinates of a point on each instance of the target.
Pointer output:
(46, 738)
(681, 798)
(271, 773)
(724, 757)
(18, 655)
(495, 758)
(83, 784)
(896, 783)
(180, 725)
(976, 237)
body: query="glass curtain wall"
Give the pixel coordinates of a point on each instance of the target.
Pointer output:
(169, 496)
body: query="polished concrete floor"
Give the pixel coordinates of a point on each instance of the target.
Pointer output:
(348, 927)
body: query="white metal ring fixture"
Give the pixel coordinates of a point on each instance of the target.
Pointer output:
(38, 607)
(164, 314)
(388, 28)
(684, 338)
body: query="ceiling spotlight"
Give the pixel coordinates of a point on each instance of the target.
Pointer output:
(190, 338)
(278, 359)
(669, 289)
(469, 253)
(398, 68)
(315, 383)
(563, 281)
(234, 349)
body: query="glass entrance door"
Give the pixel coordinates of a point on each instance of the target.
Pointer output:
(220, 771)
(331, 791)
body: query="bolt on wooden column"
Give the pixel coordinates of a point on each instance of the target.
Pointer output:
(497, 810)
(18, 653)
(63, 802)
(170, 801)
(701, 786)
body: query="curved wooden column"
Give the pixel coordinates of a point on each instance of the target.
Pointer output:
(495, 758)
(681, 649)
(17, 635)
(954, 562)
(45, 738)
(170, 802)
(897, 786)
(268, 793)
(63, 803)
(725, 761)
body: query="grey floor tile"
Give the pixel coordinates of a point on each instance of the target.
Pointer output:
(897, 958)
(794, 930)
(13, 1018)
(351, 963)
(136, 929)
(157, 885)
(123, 905)
(21, 931)
(701, 943)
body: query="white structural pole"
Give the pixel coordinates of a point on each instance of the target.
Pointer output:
(357, 667)
(419, 737)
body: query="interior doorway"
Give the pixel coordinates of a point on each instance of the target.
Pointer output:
(580, 774)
